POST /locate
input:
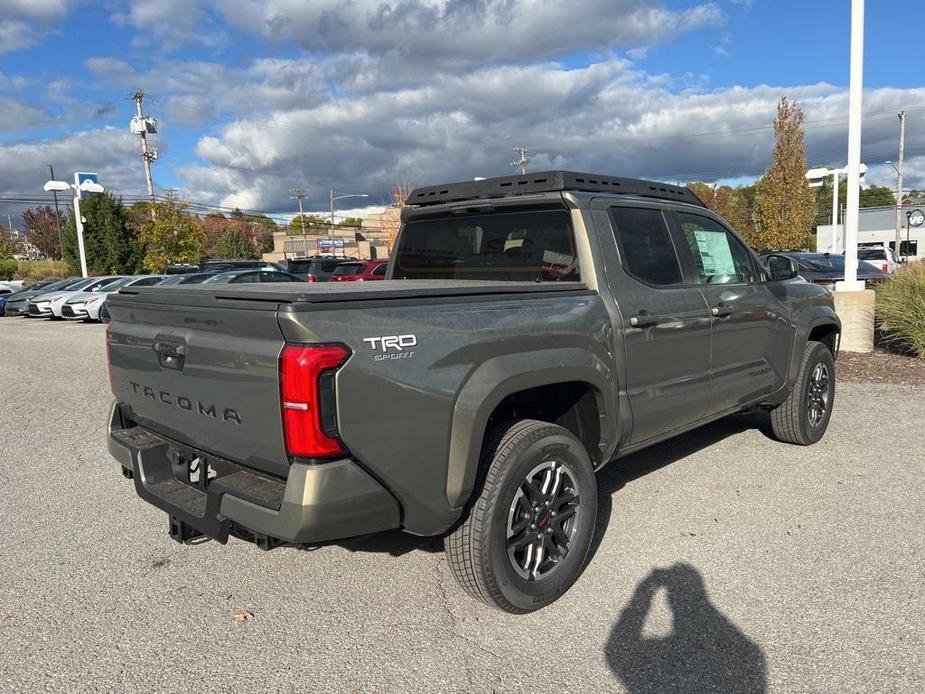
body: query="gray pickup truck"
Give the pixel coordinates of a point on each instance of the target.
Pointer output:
(531, 330)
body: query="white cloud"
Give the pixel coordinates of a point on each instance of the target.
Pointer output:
(111, 152)
(23, 23)
(607, 117)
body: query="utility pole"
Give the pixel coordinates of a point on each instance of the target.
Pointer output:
(51, 170)
(141, 125)
(523, 159)
(300, 194)
(899, 181)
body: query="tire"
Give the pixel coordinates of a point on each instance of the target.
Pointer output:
(794, 420)
(478, 550)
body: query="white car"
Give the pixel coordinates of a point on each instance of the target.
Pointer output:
(49, 305)
(86, 305)
(10, 286)
(880, 257)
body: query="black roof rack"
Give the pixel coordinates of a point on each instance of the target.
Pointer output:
(549, 181)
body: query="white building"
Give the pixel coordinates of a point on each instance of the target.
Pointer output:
(876, 227)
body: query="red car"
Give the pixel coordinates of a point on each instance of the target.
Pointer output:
(360, 271)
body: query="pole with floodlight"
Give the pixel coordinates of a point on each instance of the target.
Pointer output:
(87, 185)
(340, 197)
(815, 178)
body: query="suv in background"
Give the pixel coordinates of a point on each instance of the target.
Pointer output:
(880, 257)
(316, 268)
(360, 271)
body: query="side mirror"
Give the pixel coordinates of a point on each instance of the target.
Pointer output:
(782, 267)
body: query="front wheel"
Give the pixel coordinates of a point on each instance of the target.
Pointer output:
(527, 534)
(804, 416)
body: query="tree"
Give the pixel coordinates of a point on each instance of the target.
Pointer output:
(874, 196)
(351, 222)
(314, 224)
(234, 244)
(111, 242)
(391, 220)
(42, 229)
(785, 204)
(9, 243)
(171, 236)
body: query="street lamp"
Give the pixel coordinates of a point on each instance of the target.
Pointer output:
(83, 183)
(340, 197)
(815, 178)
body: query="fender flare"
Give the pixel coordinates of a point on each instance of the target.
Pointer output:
(820, 315)
(501, 376)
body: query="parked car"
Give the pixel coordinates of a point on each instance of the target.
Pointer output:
(825, 269)
(317, 268)
(880, 257)
(225, 265)
(360, 271)
(531, 330)
(251, 277)
(10, 286)
(18, 304)
(86, 305)
(51, 303)
(188, 278)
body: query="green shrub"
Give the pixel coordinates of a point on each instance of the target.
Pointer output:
(901, 308)
(7, 269)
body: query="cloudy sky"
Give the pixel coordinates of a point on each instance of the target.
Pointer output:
(254, 97)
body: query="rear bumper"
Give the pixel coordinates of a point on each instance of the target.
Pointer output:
(316, 503)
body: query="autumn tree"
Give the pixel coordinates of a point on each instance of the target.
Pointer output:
(216, 226)
(9, 243)
(41, 229)
(786, 205)
(235, 244)
(170, 235)
(391, 220)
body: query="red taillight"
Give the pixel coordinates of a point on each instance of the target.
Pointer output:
(311, 278)
(304, 393)
(112, 385)
(886, 268)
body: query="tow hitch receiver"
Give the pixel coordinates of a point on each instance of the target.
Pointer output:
(183, 533)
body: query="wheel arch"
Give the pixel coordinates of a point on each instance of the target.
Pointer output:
(572, 387)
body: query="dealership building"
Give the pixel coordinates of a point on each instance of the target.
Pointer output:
(877, 227)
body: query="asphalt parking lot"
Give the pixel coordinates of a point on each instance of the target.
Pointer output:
(724, 562)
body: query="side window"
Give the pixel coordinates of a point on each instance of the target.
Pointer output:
(718, 256)
(380, 270)
(645, 244)
(246, 278)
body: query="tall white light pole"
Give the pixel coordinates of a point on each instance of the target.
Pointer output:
(87, 186)
(855, 94)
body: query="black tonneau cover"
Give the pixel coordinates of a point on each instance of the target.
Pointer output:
(273, 294)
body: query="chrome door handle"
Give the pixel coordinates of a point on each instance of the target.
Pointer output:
(643, 319)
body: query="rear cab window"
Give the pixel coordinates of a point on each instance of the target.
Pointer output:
(646, 248)
(510, 246)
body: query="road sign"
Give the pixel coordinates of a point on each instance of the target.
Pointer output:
(81, 176)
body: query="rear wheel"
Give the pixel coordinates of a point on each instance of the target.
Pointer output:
(527, 534)
(804, 416)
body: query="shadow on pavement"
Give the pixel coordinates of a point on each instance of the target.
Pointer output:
(704, 652)
(619, 473)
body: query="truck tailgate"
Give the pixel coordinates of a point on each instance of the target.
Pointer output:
(207, 376)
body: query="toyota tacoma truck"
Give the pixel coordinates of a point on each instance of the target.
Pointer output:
(531, 330)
